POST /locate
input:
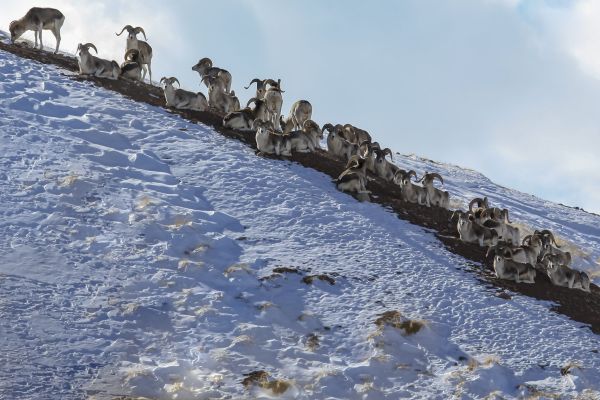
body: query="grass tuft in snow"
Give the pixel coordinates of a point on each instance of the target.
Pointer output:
(395, 320)
(308, 279)
(286, 270)
(263, 380)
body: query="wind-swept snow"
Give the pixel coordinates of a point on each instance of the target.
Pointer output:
(137, 258)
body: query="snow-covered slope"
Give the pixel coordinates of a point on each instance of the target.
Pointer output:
(137, 253)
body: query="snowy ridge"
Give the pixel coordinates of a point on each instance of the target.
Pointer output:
(139, 253)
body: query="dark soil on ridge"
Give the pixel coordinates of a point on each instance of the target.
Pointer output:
(576, 304)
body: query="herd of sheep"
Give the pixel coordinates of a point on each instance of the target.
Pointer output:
(514, 259)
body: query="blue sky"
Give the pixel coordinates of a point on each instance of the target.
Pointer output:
(510, 88)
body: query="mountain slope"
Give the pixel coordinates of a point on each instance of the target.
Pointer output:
(139, 254)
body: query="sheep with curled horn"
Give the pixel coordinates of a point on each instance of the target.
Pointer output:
(410, 192)
(270, 142)
(243, 120)
(481, 203)
(274, 101)
(470, 231)
(37, 19)
(549, 246)
(92, 65)
(145, 57)
(300, 112)
(337, 145)
(356, 135)
(182, 99)
(505, 232)
(561, 275)
(435, 196)
(507, 268)
(529, 250)
(354, 178)
(220, 100)
(131, 68)
(260, 87)
(383, 168)
(307, 139)
(205, 68)
(498, 219)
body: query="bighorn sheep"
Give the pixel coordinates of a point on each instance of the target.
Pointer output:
(561, 275)
(260, 87)
(243, 120)
(506, 232)
(410, 192)
(270, 142)
(435, 196)
(274, 101)
(131, 68)
(307, 139)
(182, 99)
(204, 67)
(354, 178)
(507, 268)
(218, 98)
(300, 112)
(91, 65)
(529, 251)
(383, 168)
(36, 20)
(547, 247)
(356, 135)
(471, 232)
(337, 145)
(140, 45)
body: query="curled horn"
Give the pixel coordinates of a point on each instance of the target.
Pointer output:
(162, 79)
(413, 173)
(477, 200)
(140, 29)
(88, 45)
(252, 100)
(126, 27)
(276, 85)
(375, 145)
(549, 233)
(255, 80)
(310, 124)
(173, 79)
(206, 60)
(526, 239)
(328, 127)
(434, 175)
(206, 80)
(353, 162)
(386, 151)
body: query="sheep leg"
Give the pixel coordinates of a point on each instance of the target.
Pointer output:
(40, 28)
(56, 33)
(149, 73)
(143, 71)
